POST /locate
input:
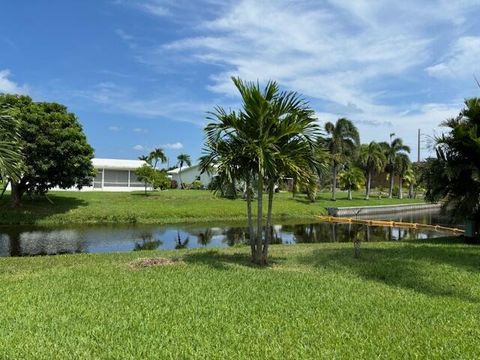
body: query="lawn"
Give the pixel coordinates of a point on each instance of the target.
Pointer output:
(166, 207)
(398, 300)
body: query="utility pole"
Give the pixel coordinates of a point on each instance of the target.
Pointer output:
(418, 149)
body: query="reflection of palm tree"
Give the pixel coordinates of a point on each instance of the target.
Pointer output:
(181, 244)
(205, 237)
(148, 242)
(234, 236)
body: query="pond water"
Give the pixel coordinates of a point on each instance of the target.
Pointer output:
(30, 241)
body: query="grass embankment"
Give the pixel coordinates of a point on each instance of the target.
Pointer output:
(398, 300)
(166, 207)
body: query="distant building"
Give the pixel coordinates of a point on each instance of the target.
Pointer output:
(189, 174)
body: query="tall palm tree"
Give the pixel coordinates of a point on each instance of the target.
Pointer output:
(182, 159)
(402, 164)
(263, 141)
(157, 155)
(10, 150)
(411, 180)
(342, 143)
(372, 159)
(392, 150)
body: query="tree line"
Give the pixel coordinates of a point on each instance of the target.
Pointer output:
(275, 135)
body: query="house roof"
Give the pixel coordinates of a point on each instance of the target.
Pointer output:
(184, 168)
(118, 164)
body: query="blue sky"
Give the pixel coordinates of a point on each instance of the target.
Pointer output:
(142, 74)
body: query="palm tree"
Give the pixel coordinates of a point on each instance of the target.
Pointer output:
(342, 143)
(411, 180)
(392, 150)
(402, 164)
(226, 153)
(10, 150)
(453, 177)
(145, 158)
(372, 160)
(351, 179)
(182, 159)
(260, 143)
(157, 155)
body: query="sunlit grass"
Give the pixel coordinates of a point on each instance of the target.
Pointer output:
(166, 207)
(398, 300)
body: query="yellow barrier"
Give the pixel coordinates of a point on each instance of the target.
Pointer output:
(384, 223)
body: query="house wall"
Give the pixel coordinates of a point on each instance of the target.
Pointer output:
(190, 175)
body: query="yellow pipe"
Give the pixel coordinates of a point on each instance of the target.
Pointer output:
(387, 223)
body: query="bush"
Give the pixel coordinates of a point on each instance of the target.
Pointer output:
(196, 185)
(173, 184)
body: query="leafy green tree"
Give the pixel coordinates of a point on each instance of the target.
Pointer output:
(157, 179)
(144, 174)
(454, 176)
(392, 151)
(372, 160)
(342, 143)
(10, 151)
(182, 159)
(350, 179)
(273, 134)
(157, 155)
(54, 147)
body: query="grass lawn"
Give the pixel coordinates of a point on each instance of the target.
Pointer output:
(398, 300)
(167, 207)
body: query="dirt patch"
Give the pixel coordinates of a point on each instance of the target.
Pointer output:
(151, 262)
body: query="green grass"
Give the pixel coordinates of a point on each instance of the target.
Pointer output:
(167, 207)
(398, 300)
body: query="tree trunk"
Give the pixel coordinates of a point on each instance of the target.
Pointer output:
(400, 185)
(334, 182)
(268, 225)
(390, 190)
(410, 190)
(258, 250)
(180, 177)
(250, 219)
(349, 193)
(16, 194)
(367, 187)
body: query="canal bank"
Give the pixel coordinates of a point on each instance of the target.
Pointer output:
(379, 209)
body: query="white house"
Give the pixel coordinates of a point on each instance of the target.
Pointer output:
(116, 175)
(189, 174)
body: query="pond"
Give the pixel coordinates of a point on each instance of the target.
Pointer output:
(30, 241)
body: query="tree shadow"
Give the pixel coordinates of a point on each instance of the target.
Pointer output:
(36, 208)
(223, 261)
(403, 267)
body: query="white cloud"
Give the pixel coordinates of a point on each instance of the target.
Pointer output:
(114, 128)
(139, 147)
(343, 55)
(120, 99)
(461, 61)
(173, 146)
(155, 9)
(140, 130)
(9, 86)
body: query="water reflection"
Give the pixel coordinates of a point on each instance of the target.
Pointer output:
(26, 241)
(147, 242)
